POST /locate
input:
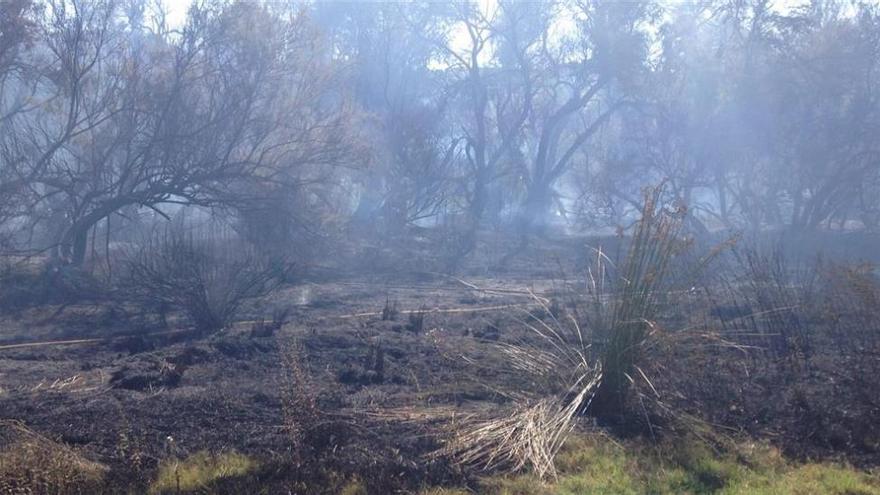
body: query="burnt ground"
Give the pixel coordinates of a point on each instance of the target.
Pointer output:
(319, 400)
(131, 401)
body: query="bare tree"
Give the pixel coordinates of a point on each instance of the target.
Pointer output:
(17, 30)
(135, 119)
(582, 84)
(389, 53)
(489, 111)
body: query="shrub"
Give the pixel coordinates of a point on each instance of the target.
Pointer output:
(794, 353)
(208, 284)
(389, 311)
(416, 322)
(25, 284)
(262, 328)
(772, 295)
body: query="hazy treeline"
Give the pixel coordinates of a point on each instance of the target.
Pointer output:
(294, 119)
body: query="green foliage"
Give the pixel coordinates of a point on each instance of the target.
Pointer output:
(805, 480)
(591, 465)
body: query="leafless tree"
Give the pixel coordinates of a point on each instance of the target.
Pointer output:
(581, 84)
(129, 118)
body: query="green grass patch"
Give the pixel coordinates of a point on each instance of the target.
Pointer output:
(806, 480)
(201, 471)
(445, 491)
(597, 466)
(353, 487)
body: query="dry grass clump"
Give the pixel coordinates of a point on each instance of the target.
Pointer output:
(32, 464)
(587, 368)
(530, 436)
(299, 405)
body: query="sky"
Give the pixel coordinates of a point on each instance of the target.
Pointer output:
(175, 11)
(176, 15)
(179, 6)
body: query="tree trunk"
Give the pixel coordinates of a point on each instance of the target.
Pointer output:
(72, 247)
(75, 239)
(479, 201)
(536, 209)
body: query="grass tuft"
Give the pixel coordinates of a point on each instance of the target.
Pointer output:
(200, 471)
(807, 479)
(590, 368)
(354, 487)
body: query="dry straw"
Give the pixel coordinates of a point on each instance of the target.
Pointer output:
(590, 367)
